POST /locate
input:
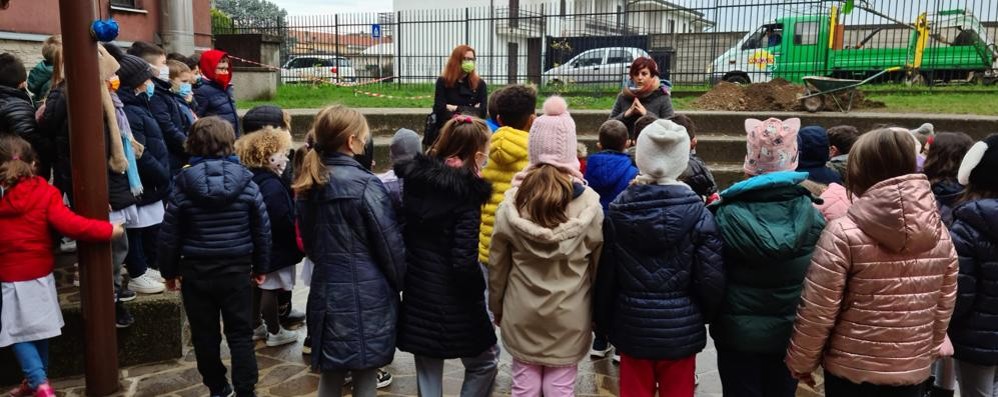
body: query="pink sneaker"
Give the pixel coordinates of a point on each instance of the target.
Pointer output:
(22, 391)
(45, 390)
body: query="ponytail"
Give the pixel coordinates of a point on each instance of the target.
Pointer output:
(312, 173)
(16, 160)
(544, 195)
(332, 129)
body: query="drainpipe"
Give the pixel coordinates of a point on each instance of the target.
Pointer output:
(177, 25)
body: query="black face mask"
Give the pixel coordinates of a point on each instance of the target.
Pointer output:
(366, 160)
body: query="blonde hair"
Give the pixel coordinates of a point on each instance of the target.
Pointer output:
(254, 150)
(51, 45)
(544, 195)
(177, 68)
(332, 128)
(877, 156)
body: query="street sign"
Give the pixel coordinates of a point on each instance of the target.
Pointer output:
(376, 31)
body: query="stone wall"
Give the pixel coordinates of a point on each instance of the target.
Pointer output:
(30, 52)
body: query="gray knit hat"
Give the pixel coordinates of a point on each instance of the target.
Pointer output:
(405, 145)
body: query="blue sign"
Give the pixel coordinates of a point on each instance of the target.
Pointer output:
(376, 31)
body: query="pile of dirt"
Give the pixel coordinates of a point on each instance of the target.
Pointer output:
(778, 95)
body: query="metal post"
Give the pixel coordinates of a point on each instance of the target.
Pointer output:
(492, 36)
(86, 125)
(336, 33)
(398, 48)
(467, 26)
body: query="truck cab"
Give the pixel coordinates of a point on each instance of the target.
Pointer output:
(788, 47)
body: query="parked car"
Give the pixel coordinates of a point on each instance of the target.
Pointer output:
(600, 65)
(312, 68)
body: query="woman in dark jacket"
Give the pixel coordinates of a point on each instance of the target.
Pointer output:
(941, 165)
(214, 95)
(459, 90)
(974, 327)
(443, 311)
(645, 94)
(349, 231)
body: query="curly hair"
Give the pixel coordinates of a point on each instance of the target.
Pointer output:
(516, 104)
(254, 150)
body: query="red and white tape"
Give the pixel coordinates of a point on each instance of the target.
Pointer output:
(379, 95)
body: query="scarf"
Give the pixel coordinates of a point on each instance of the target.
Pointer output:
(654, 84)
(129, 146)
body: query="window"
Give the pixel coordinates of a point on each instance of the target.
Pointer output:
(591, 58)
(618, 56)
(303, 62)
(766, 36)
(806, 33)
(124, 4)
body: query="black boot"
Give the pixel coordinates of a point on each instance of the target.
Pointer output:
(288, 316)
(936, 391)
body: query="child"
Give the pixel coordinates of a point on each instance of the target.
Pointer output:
(543, 257)
(404, 147)
(610, 171)
(164, 108)
(814, 152)
(582, 153)
(443, 311)
(840, 141)
(359, 269)
(493, 110)
(181, 88)
(676, 270)
(265, 153)
(941, 165)
(697, 175)
(882, 284)
(507, 154)
(40, 78)
(215, 200)
(639, 125)
(30, 209)
(770, 227)
(214, 95)
(17, 115)
(973, 328)
(136, 92)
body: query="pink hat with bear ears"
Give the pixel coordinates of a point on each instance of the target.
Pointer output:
(772, 145)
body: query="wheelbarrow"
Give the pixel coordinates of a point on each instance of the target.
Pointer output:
(818, 88)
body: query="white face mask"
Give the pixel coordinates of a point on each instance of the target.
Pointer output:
(164, 73)
(279, 162)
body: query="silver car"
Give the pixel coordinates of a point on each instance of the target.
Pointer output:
(600, 65)
(316, 68)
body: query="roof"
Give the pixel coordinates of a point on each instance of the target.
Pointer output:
(354, 39)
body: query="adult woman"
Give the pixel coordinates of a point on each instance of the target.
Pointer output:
(459, 91)
(644, 94)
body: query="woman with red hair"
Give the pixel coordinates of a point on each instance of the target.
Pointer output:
(459, 91)
(645, 94)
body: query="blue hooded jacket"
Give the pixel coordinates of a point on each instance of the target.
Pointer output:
(609, 172)
(813, 144)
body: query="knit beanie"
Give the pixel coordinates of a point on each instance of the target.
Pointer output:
(771, 145)
(263, 116)
(406, 144)
(134, 71)
(979, 164)
(552, 141)
(663, 152)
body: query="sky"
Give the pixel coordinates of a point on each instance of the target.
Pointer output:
(328, 7)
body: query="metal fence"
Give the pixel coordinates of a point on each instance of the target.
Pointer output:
(592, 42)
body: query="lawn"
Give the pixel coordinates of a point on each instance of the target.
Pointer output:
(953, 99)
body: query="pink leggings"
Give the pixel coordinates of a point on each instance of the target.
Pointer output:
(534, 380)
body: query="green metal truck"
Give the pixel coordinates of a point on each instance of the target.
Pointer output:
(954, 46)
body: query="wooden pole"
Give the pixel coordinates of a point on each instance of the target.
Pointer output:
(89, 164)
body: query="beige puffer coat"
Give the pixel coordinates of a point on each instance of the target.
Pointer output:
(541, 279)
(880, 290)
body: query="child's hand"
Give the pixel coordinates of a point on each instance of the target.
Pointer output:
(117, 230)
(807, 378)
(173, 284)
(946, 349)
(260, 278)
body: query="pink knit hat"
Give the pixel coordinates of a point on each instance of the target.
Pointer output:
(553, 140)
(772, 145)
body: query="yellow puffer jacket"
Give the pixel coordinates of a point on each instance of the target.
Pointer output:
(507, 157)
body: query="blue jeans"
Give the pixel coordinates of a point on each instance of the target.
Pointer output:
(34, 359)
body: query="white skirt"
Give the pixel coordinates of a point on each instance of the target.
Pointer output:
(149, 215)
(30, 311)
(306, 271)
(283, 279)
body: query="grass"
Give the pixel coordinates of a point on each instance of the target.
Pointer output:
(948, 99)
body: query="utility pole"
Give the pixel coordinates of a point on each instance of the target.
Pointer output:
(89, 162)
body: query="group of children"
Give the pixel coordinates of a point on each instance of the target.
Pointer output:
(837, 250)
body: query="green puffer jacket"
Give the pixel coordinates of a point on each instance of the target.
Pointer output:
(39, 80)
(770, 228)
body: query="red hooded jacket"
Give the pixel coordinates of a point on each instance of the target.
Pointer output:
(28, 213)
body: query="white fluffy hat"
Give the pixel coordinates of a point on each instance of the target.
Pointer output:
(663, 152)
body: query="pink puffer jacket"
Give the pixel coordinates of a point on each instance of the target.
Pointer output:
(836, 202)
(880, 290)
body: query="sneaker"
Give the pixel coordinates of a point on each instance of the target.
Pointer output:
(146, 284)
(294, 317)
(67, 246)
(600, 348)
(45, 390)
(384, 378)
(306, 348)
(282, 337)
(155, 275)
(23, 390)
(260, 333)
(616, 358)
(126, 295)
(226, 392)
(122, 317)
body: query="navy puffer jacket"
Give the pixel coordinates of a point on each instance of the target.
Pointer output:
(216, 222)
(974, 327)
(213, 100)
(281, 211)
(947, 193)
(661, 275)
(171, 122)
(443, 310)
(350, 232)
(154, 170)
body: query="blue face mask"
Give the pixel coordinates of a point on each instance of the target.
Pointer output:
(150, 89)
(185, 90)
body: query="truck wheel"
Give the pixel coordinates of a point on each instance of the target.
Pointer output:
(813, 104)
(737, 79)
